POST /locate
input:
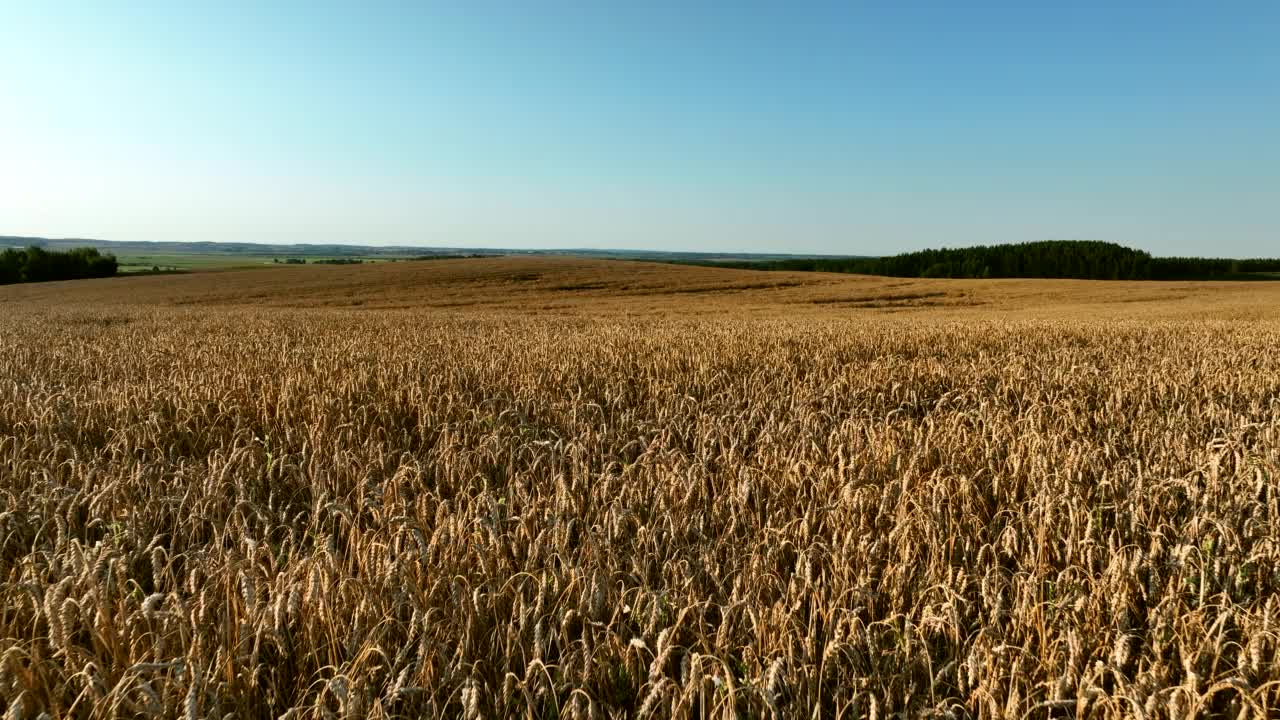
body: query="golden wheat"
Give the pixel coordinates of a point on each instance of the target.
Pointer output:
(222, 511)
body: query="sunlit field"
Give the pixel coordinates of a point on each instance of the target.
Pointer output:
(549, 487)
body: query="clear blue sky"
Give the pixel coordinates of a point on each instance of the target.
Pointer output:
(852, 127)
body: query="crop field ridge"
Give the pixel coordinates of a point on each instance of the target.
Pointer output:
(553, 487)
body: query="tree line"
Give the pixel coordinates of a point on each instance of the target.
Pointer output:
(35, 264)
(1079, 259)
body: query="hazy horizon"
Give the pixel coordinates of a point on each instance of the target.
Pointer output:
(767, 127)
(1209, 253)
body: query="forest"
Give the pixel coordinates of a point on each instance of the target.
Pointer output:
(1079, 259)
(35, 264)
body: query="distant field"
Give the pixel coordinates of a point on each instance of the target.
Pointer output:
(556, 487)
(591, 287)
(130, 263)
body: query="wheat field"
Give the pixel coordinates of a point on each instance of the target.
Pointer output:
(554, 488)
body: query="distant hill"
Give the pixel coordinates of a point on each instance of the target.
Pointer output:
(1078, 259)
(221, 248)
(309, 250)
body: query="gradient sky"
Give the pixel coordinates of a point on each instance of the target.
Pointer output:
(853, 127)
